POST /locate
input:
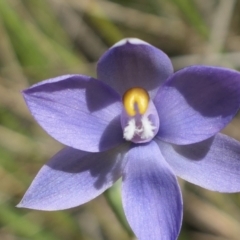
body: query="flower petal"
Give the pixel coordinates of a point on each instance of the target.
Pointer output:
(134, 63)
(213, 164)
(78, 111)
(196, 103)
(151, 196)
(73, 177)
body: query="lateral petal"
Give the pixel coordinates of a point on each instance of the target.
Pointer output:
(78, 111)
(73, 177)
(213, 164)
(196, 103)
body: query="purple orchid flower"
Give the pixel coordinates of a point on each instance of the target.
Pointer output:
(144, 123)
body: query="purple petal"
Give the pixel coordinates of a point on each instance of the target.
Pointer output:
(134, 63)
(73, 177)
(78, 111)
(196, 103)
(213, 164)
(151, 196)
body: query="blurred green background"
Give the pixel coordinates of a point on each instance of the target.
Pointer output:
(40, 39)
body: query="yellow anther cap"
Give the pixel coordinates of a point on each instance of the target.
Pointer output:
(135, 97)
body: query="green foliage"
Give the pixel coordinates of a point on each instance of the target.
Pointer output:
(192, 16)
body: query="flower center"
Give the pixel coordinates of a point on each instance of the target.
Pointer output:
(139, 117)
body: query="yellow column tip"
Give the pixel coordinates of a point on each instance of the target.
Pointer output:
(136, 99)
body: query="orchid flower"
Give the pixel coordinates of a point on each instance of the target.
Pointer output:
(143, 123)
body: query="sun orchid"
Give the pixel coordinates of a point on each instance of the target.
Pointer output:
(144, 123)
